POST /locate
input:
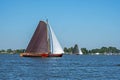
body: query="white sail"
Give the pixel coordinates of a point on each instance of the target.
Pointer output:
(80, 52)
(55, 45)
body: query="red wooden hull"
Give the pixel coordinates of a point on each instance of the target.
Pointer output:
(40, 55)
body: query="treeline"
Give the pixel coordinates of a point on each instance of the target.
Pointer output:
(74, 50)
(12, 51)
(102, 50)
(105, 50)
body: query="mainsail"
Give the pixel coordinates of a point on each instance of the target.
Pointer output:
(39, 41)
(55, 45)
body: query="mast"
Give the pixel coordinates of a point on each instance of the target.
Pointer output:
(50, 41)
(48, 38)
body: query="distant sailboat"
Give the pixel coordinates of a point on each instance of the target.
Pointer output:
(43, 43)
(80, 52)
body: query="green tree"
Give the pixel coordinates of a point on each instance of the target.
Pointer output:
(103, 50)
(70, 50)
(113, 50)
(2, 50)
(65, 50)
(84, 50)
(9, 51)
(19, 50)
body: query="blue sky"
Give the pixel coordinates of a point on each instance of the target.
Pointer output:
(88, 23)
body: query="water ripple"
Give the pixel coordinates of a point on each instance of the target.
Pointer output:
(68, 67)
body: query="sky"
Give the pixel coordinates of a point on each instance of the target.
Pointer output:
(88, 23)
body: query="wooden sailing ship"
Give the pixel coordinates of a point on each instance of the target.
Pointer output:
(43, 43)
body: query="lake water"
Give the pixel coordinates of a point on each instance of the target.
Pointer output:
(68, 67)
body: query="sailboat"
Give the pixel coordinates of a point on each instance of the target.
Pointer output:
(43, 43)
(80, 52)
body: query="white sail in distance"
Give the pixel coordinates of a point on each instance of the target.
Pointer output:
(80, 51)
(55, 45)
